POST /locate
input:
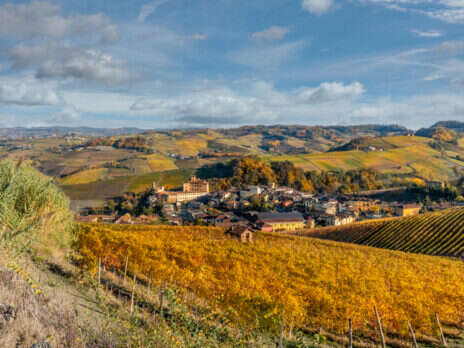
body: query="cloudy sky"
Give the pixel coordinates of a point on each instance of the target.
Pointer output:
(224, 63)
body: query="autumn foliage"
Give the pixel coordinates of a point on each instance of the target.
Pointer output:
(314, 283)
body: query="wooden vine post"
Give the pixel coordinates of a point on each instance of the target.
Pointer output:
(414, 342)
(99, 271)
(125, 268)
(161, 298)
(350, 333)
(281, 333)
(133, 295)
(442, 335)
(379, 324)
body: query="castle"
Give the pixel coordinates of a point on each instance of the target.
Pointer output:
(192, 189)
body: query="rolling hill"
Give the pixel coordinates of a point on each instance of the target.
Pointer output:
(316, 284)
(438, 233)
(398, 154)
(92, 168)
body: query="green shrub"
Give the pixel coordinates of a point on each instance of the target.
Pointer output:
(34, 213)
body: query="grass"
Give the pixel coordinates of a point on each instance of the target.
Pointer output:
(85, 177)
(160, 163)
(98, 190)
(171, 179)
(29, 204)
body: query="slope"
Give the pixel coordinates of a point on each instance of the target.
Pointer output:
(437, 233)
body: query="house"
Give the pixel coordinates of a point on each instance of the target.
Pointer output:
(435, 185)
(310, 223)
(174, 220)
(407, 209)
(241, 232)
(124, 220)
(250, 191)
(95, 218)
(226, 219)
(287, 203)
(342, 219)
(281, 221)
(146, 219)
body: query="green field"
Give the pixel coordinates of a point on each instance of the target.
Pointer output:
(438, 233)
(170, 179)
(407, 155)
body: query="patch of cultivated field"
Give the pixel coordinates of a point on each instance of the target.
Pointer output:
(170, 179)
(160, 163)
(314, 283)
(415, 156)
(97, 190)
(85, 176)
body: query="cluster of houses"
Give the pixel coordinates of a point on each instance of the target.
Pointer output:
(284, 208)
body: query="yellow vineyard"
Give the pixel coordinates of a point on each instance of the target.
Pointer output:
(314, 283)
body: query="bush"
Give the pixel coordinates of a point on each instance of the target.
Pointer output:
(34, 213)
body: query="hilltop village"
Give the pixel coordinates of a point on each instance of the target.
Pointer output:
(260, 207)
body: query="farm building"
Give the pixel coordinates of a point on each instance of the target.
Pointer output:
(407, 209)
(241, 232)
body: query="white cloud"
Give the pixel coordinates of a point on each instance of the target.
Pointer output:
(110, 34)
(268, 56)
(220, 105)
(42, 19)
(148, 9)
(27, 92)
(331, 91)
(23, 55)
(318, 7)
(87, 65)
(67, 116)
(198, 37)
(451, 11)
(427, 34)
(449, 48)
(270, 34)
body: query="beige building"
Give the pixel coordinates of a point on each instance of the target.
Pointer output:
(192, 189)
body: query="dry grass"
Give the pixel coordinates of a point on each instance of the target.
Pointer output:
(38, 318)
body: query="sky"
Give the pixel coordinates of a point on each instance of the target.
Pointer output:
(226, 63)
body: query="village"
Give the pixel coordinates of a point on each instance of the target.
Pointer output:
(260, 208)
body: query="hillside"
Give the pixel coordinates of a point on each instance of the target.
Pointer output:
(118, 286)
(437, 233)
(92, 169)
(398, 155)
(308, 282)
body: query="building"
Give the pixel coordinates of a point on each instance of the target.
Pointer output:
(241, 232)
(362, 205)
(342, 219)
(192, 189)
(407, 209)
(435, 185)
(124, 220)
(95, 218)
(281, 221)
(250, 192)
(195, 185)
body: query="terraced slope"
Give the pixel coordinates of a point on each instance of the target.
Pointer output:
(438, 233)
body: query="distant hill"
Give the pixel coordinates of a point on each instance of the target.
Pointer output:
(20, 132)
(437, 233)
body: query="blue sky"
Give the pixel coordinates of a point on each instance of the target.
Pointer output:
(225, 63)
